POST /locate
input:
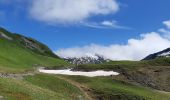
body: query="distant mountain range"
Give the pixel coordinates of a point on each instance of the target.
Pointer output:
(163, 53)
(100, 59)
(21, 56)
(86, 60)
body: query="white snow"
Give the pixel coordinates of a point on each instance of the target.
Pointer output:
(165, 54)
(80, 73)
(5, 36)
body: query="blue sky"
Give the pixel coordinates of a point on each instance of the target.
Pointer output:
(119, 21)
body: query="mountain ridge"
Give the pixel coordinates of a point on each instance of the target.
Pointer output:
(163, 53)
(27, 42)
(19, 53)
(97, 59)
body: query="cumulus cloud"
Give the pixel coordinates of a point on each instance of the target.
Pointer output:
(68, 12)
(166, 31)
(167, 23)
(135, 49)
(71, 11)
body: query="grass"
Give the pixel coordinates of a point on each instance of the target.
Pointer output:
(43, 87)
(25, 54)
(152, 73)
(128, 65)
(29, 43)
(108, 88)
(39, 87)
(55, 84)
(14, 58)
(12, 89)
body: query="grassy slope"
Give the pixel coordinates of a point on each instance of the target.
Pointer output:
(153, 73)
(106, 88)
(129, 65)
(29, 43)
(39, 87)
(15, 58)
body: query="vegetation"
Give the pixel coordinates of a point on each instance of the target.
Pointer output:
(39, 87)
(128, 65)
(151, 73)
(106, 88)
(138, 80)
(14, 57)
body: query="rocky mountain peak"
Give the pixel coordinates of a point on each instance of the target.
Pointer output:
(86, 60)
(163, 53)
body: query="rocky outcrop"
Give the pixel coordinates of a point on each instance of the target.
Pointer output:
(153, 77)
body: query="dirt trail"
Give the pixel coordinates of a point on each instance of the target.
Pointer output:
(16, 76)
(82, 88)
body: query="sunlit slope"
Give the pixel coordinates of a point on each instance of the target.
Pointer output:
(39, 87)
(107, 88)
(19, 53)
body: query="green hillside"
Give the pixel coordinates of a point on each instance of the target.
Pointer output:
(107, 88)
(39, 87)
(19, 53)
(20, 57)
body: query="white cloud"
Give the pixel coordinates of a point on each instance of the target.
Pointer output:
(71, 11)
(113, 24)
(166, 31)
(109, 23)
(135, 49)
(167, 23)
(106, 24)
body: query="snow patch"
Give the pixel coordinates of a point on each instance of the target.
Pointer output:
(5, 36)
(80, 73)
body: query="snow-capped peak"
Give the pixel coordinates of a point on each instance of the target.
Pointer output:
(166, 54)
(88, 59)
(163, 53)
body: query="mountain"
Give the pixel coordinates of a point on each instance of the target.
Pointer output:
(86, 60)
(163, 53)
(20, 53)
(19, 80)
(27, 43)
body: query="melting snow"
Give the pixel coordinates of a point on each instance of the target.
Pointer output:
(80, 73)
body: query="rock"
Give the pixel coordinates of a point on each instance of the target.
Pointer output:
(1, 97)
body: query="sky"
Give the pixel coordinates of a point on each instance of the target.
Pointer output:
(114, 29)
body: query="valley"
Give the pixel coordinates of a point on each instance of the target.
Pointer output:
(21, 57)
